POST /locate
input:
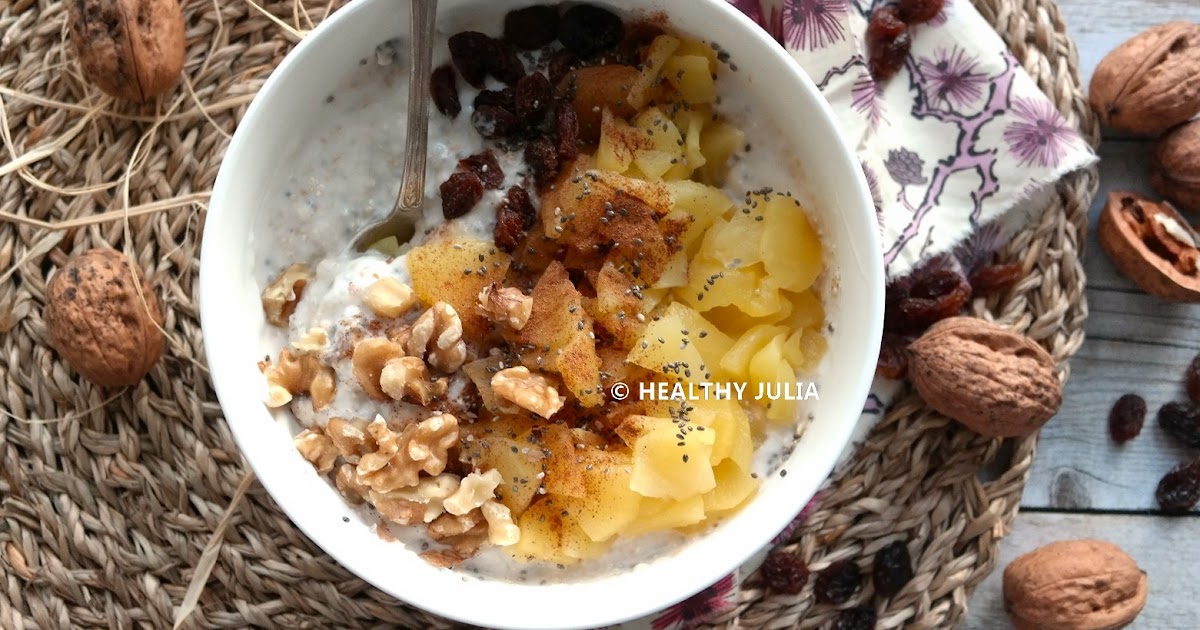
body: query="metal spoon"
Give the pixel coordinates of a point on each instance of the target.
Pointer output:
(402, 221)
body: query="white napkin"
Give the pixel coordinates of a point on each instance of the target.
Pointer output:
(960, 138)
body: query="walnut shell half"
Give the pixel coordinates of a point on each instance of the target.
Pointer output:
(131, 49)
(1152, 245)
(97, 322)
(1175, 173)
(1150, 83)
(994, 381)
(1074, 585)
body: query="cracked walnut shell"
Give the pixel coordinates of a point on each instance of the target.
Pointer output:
(1152, 245)
(131, 49)
(1074, 585)
(994, 381)
(98, 322)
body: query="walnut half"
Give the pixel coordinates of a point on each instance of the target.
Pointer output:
(505, 305)
(437, 336)
(285, 290)
(527, 390)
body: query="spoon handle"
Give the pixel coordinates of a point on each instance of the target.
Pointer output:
(412, 182)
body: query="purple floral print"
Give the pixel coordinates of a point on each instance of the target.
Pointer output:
(905, 167)
(813, 24)
(866, 97)
(752, 9)
(1039, 136)
(951, 78)
(698, 608)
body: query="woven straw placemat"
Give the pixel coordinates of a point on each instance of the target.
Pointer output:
(109, 497)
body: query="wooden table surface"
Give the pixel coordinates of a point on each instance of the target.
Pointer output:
(1082, 485)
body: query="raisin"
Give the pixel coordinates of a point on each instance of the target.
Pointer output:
(542, 158)
(1181, 420)
(861, 618)
(519, 199)
(509, 228)
(506, 66)
(888, 57)
(532, 96)
(1179, 490)
(1126, 418)
(504, 99)
(588, 30)
(888, 42)
(785, 572)
(566, 123)
(561, 63)
(893, 357)
(532, 27)
(472, 52)
(935, 294)
(1192, 380)
(919, 11)
(486, 168)
(444, 90)
(460, 193)
(493, 122)
(991, 279)
(885, 24)
(838, 582)
(892, 569)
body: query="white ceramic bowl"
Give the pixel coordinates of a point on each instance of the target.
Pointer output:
(233, 323)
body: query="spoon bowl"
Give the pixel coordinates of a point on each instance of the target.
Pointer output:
(402, 221)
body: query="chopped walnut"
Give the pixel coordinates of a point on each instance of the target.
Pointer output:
(350, 485)
(431, 492)
(285, 290)
(350, 437)
(388, 297)
(502, 531)
(442, 559)
(370, 356)
(299, 374)
(317, 448)
(406, 377)
(315, 340)
(437, 337)
(527, 390)
(432, 441)
(389, 467)
(449, 525)
(505, 305)
(473, 491)
(395, 509)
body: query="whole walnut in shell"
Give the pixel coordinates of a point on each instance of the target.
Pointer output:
(97, 321)
(994, 381)
(1175, 172)
(1074, 585)
(131, 49)
(1151, 82)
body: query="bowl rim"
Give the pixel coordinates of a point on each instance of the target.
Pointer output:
(212, 290)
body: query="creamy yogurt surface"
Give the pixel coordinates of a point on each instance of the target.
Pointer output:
(344, 173)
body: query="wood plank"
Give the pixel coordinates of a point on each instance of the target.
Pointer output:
(1136, 343)
(1098, 27)
(1163, 547)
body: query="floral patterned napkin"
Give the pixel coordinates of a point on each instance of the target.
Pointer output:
(961, 138)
